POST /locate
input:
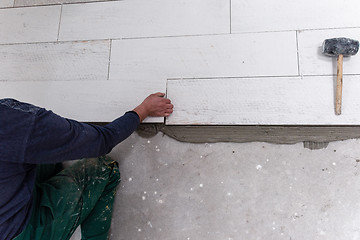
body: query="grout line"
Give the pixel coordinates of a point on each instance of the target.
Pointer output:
(329, 75)
(116, 39)
(57, 39)
(178, 36)
(92, 2)
(108, 76)
(297, 52)
(52, 42)
(252, 77)
(32, 6)
(241, 77)
(70, 3)
(230, 19)
(196, 78)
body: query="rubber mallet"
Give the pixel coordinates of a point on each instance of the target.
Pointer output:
(340, 48)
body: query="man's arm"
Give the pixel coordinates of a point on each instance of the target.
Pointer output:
(57, 139)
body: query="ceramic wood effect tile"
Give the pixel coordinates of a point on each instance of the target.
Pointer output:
(27, 25)
(55, 61)
(314, 62)
(262, 101)
(93, 101)
(142, 18)
(262, 15)
(6, 3)
(236, 55)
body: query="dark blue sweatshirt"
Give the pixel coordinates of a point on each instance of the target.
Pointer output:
(30, 135)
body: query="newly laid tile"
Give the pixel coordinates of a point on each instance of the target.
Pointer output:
(89, 101)
(31, 24)
(143, 18)
(263, 101)
(55, 61)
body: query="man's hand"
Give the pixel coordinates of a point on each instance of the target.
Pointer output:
(154, 105)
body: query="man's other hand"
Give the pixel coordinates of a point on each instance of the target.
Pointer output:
(155, 105)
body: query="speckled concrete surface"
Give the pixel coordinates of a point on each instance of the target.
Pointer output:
(173, 190)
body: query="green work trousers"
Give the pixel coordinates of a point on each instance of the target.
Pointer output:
(82, 194)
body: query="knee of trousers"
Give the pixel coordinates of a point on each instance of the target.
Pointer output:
(112, 166)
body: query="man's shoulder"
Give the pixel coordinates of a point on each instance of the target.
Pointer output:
(9, 104)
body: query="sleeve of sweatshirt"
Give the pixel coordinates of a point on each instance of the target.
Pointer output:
(57, 139)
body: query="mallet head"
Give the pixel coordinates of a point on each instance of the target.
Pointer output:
(340, 46)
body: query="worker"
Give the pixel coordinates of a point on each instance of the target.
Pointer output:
(39, 200)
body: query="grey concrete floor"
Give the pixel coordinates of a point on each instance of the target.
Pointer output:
(173, 190)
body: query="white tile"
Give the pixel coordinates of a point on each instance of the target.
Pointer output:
(263, 101)
(314, 62)
(6, 3)
(143, 18)
(32, 24)
(55, 61)
(92, 101)
(264, 15)
(235, 55)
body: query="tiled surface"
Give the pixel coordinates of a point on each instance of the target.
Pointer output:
(6, 3)
(139, 18)
(263, 101)
(173, 190)
(313, 62)
(28, 25)
(284, 15)
(147, 43)
(236, 55)
(66, 61)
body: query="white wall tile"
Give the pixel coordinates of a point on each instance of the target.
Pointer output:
(32, 24)
(236, 55)
(264, 101)
(6, 3)
(55, 61)
(143, 18)
(93, 101)
(314, 62)
(264, 15)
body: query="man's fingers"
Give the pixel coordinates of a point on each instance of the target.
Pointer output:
(159, 94)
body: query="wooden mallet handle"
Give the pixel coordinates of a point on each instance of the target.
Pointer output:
(339, 83)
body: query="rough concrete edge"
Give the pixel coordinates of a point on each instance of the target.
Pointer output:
(315, 145)
(313, 137)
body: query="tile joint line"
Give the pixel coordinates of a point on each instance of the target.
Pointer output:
(230, 18)
(297, 52)
(108, 75)
(58, 35)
